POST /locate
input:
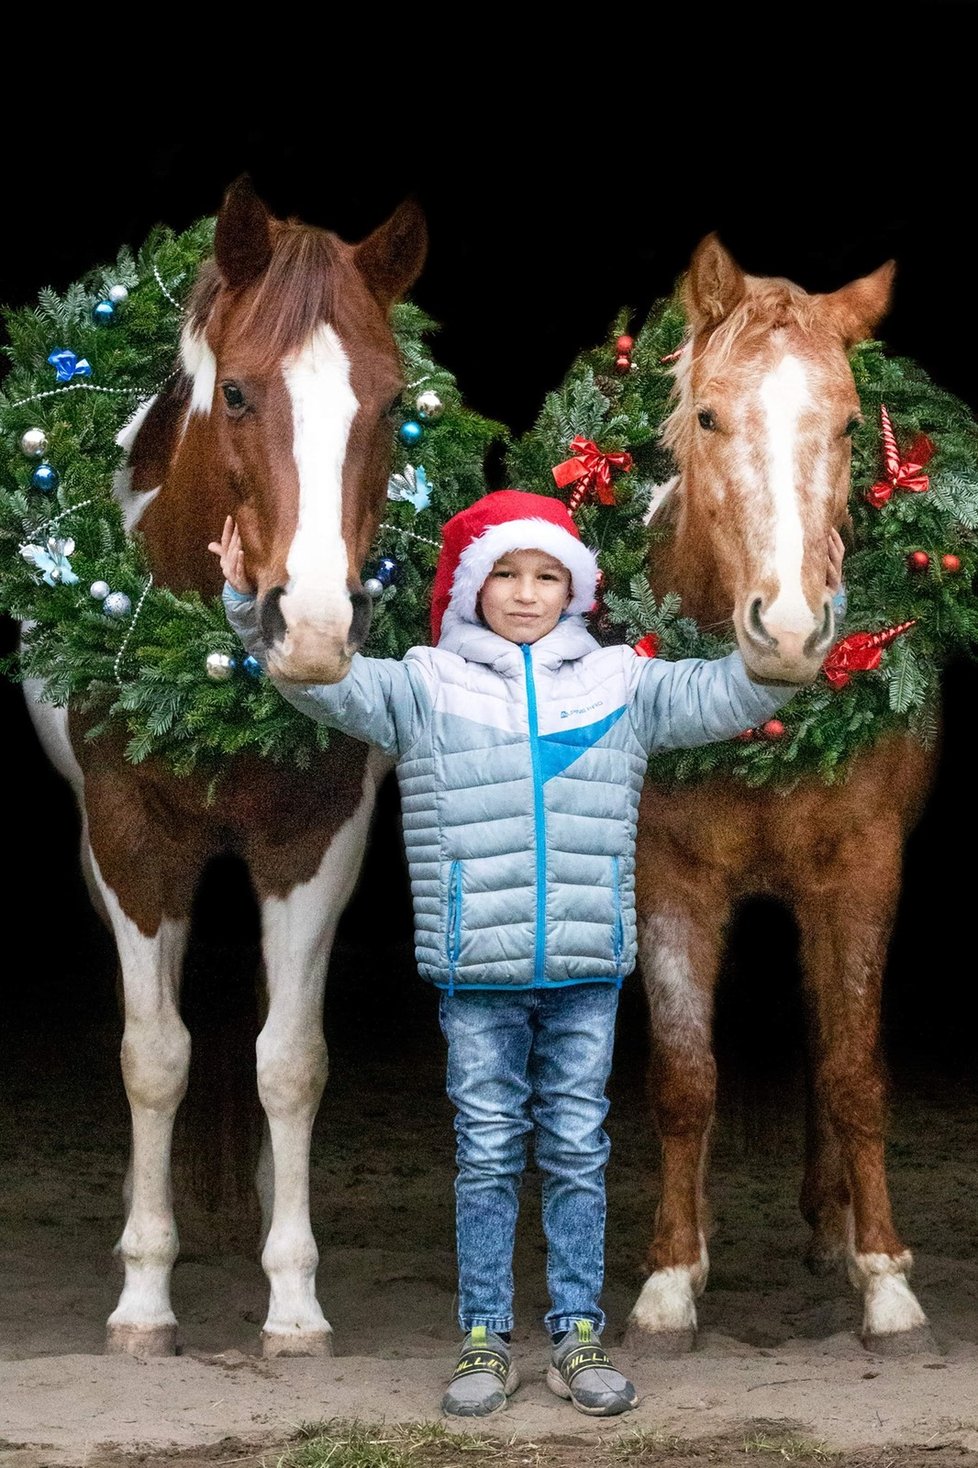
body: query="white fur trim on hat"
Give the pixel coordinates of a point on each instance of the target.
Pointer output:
(481, 554)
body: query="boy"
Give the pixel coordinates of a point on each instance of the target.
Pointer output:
(521, 749)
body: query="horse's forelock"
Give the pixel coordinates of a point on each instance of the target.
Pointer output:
(293, 295)
(768, 305)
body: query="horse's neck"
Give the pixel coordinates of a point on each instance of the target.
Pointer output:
(169, 497)
(682, 561)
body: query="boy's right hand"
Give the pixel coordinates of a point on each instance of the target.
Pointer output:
(231, 555)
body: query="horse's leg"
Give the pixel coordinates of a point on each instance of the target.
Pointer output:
(679, 951)
(843, 952)
(155, 1065)
(297, 937)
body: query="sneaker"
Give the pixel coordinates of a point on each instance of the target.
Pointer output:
(483, 1378)
(581, 1370)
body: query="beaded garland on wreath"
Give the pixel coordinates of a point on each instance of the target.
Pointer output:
(909, 572)
(97, 632)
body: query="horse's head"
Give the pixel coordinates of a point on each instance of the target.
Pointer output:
(765, 406)
(294, 371)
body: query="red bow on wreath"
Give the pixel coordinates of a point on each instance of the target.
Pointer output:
(900, 473)
(593, 469)
(859, 653)
(647, 646)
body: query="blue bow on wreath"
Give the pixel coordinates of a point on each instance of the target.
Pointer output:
(52, 560)
(68, 365)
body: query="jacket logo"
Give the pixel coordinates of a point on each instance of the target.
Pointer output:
(586, 709)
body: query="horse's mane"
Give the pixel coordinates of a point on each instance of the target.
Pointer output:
(294, 293)
(768, 304)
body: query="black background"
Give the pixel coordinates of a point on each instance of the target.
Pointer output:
(557, 187)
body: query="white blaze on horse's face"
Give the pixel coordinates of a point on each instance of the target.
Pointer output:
(315, 604)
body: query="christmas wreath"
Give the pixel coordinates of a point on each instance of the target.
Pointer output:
(97, 632)
(909, 573)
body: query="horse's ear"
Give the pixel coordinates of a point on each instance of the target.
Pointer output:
(243, 235)
(860, 306)
(713, 284)
(391, 259)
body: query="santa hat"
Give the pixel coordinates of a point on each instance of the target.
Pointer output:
(506, 520)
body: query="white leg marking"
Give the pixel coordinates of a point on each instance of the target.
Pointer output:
(889, 1304)
(667, 1298)
(292, 1066)
(155, 1063)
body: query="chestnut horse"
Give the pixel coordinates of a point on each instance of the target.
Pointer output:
(278, 412)
(764, 403)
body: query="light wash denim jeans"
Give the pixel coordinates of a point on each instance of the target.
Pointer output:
(534, 1060)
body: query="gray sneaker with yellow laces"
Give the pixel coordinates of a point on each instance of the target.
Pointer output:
(581, 1371)
(484, 1376)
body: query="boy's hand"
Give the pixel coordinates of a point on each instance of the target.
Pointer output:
(228, 548)
(837, 550)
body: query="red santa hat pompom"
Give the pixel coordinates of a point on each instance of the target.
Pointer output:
(506, 520)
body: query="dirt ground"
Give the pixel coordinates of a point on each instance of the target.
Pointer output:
(778, 1369)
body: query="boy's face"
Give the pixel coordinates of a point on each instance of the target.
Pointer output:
(524, 595)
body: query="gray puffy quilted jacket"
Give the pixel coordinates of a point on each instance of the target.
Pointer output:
(520, 770)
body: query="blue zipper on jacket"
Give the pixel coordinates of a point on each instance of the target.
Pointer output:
(539, 818)
(453, 937)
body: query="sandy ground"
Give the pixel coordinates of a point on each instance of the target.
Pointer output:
(777, 1351)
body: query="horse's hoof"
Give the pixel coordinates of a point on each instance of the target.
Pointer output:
(916, 1342)
(138, 1340)
(297, 1343)
(658, 1344)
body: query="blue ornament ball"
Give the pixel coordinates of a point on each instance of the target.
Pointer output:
(103, 312)
(410, 432)
(251, 666)
(117, 605)
(386, 570)
(46, 478)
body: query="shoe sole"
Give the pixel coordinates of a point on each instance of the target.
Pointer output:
(559, 1387)
(512, 1382)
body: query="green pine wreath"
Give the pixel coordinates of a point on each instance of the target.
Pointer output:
(148, 671)
(824, 726)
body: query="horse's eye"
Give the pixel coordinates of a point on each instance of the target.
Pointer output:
(854, 422)
(707, 419)
(234, 398)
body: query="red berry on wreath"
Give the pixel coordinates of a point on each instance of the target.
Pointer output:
(951, 563)
(918, 561)
(624, 345)
(745, 736)
(773, 729)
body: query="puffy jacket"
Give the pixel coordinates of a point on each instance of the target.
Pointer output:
(520, 770)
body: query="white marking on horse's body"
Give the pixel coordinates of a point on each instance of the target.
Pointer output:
(132, 505)
(200, 365)
(658, 495)
(667, 1299)
(889, 1305)
(297, 935)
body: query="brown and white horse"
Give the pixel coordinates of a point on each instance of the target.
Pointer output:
(764, 406)
(277, 414)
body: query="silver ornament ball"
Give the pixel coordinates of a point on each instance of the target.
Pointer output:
(373, 587)
(117, 294)
(99, 590)
(220, 666)
(429, 405)
(117, 605)
(34, 443)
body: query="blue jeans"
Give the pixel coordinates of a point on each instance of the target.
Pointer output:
(535, 1060)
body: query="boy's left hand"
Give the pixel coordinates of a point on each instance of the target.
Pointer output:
(836, 550)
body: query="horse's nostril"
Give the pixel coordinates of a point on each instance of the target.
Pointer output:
(755, 624)
(360, 620)
(270, 617)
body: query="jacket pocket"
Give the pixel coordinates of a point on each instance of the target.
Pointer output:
(453, 934)
(618, 939)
